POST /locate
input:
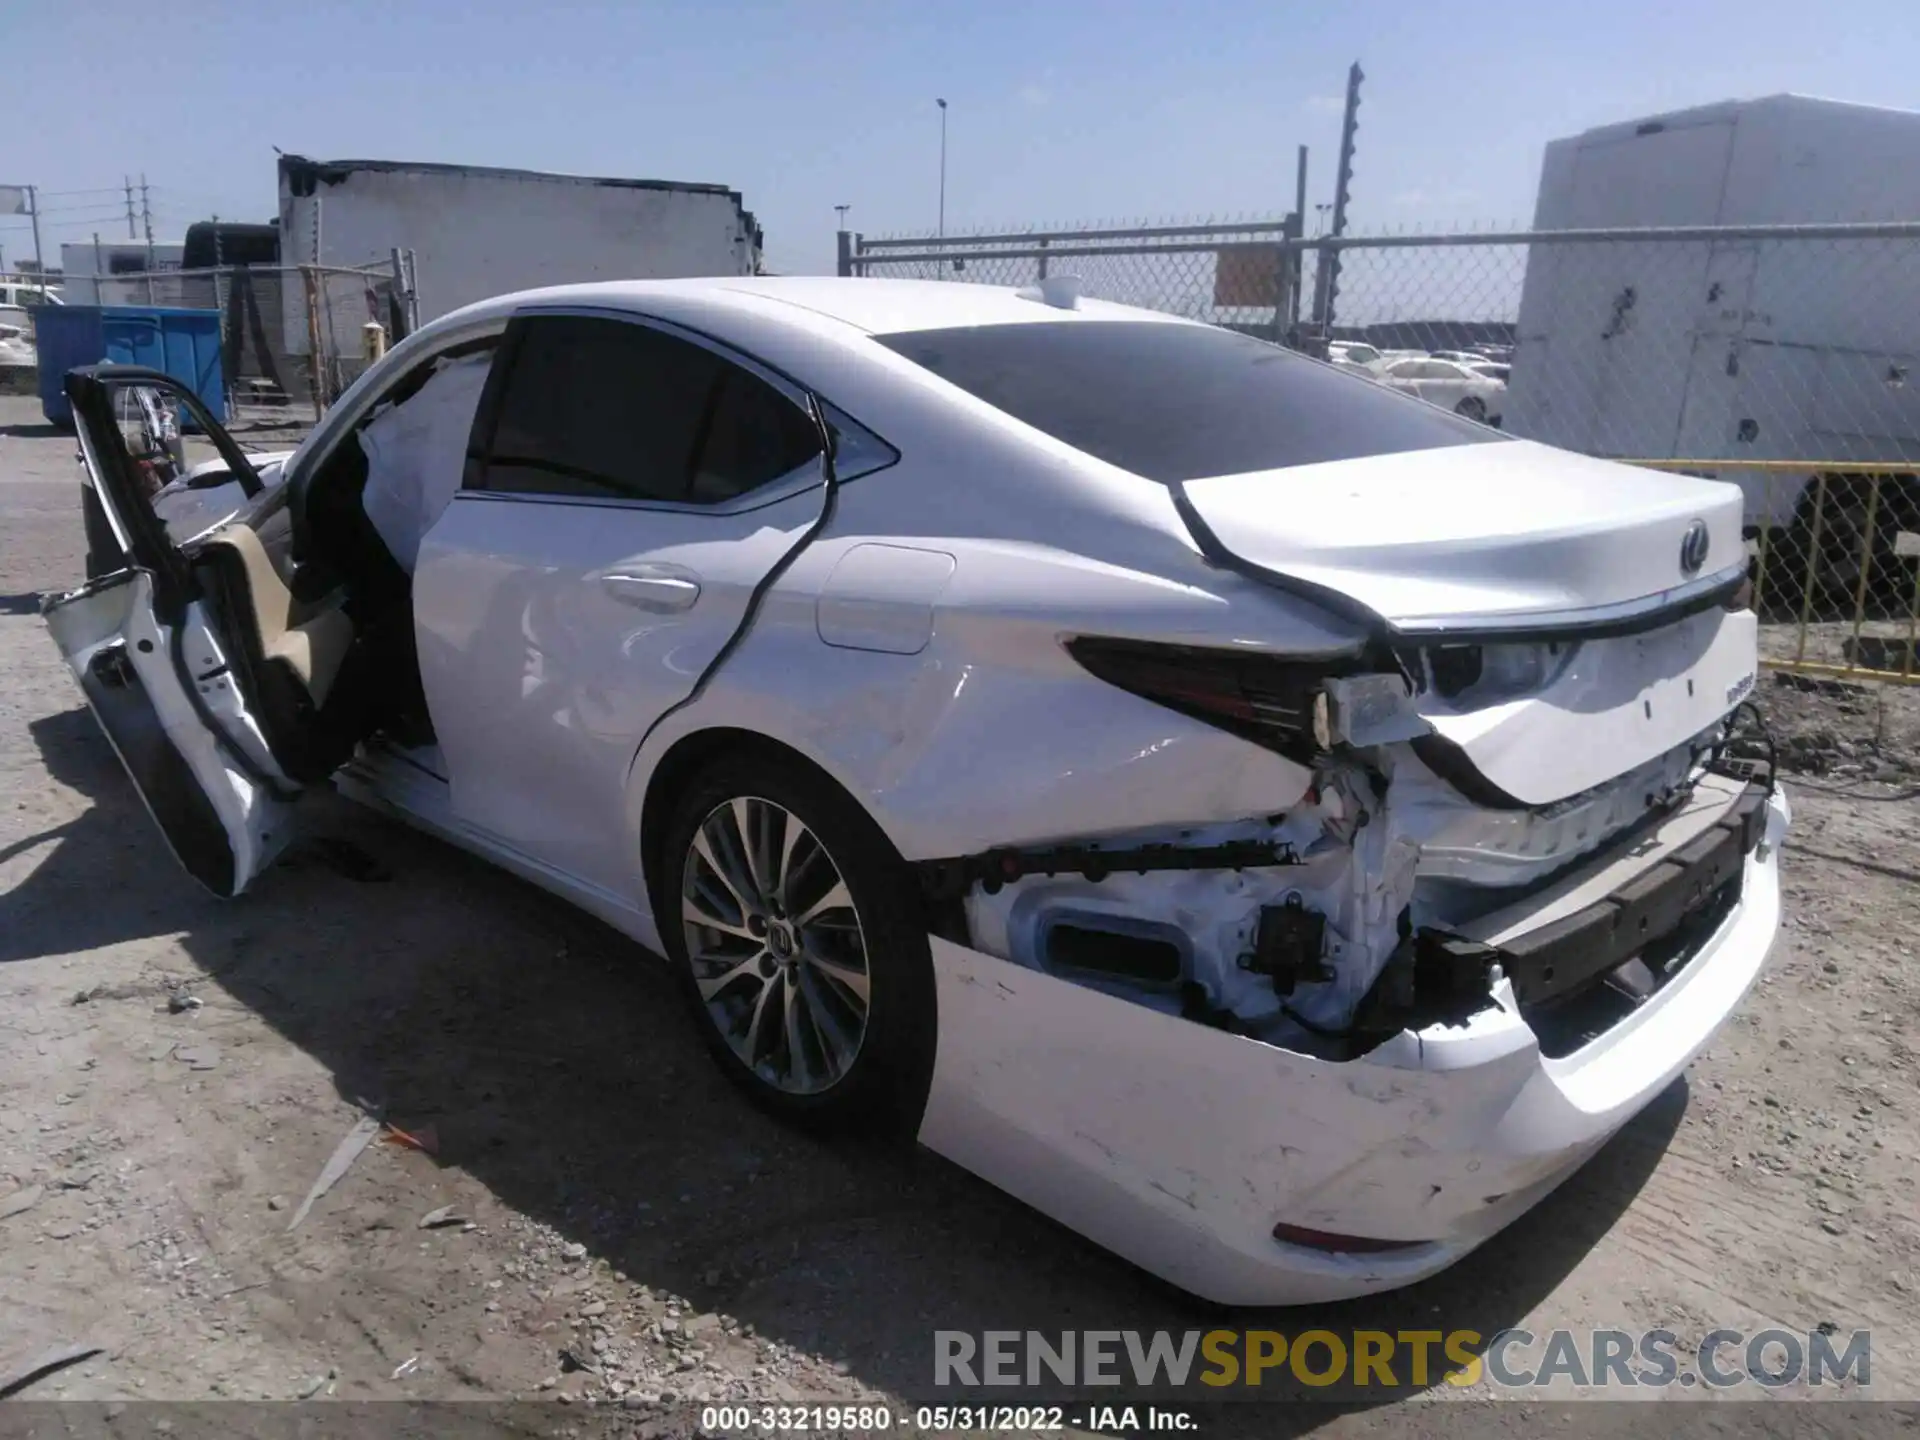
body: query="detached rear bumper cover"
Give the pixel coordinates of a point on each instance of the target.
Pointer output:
(1180, 1147)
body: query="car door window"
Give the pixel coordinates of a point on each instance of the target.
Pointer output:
(608, 409)
(754, 435)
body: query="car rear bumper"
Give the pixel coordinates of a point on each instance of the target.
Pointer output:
(1180, 1147)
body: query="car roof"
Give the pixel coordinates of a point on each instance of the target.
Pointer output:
(870, 306)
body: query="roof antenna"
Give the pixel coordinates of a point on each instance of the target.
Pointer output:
(1062, 292)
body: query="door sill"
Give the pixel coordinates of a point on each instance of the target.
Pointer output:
(410, 785)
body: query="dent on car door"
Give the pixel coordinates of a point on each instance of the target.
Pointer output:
(149, 655)
(632, 487)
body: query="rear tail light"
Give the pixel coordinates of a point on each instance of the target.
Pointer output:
(1339, 1244)
(1300, 708)
(1274, 702)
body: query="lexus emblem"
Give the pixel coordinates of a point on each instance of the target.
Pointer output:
(1693, 548)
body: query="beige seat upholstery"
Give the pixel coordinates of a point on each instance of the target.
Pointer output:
(311, 641)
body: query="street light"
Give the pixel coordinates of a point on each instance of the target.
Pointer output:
(943, 167)
(841, 211)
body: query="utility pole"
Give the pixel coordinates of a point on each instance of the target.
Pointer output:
(39, 260)
(943, 167)
(146, 220)
(131, 232)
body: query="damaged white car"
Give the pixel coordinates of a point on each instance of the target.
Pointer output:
(1272, 825)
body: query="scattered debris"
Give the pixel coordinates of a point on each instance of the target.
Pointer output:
(181, 1001)
(424, 1139)
(21, 1201)
(348, 1150)
(571, 1360)
(276, 1202)
(442, 1217)
(14, 1380)
(573, 1250)
(1827, 1327)
(198, 1057)
(162, 1050)
(405, 1367)
(319, 1382)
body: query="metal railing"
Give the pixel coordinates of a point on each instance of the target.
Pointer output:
(293, 337)
(1237, 273)
(1784, 359)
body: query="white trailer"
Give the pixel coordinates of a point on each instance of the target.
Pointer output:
(477, 232)
(1733, 348)
(87, 262)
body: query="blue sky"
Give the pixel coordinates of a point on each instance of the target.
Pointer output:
(1062, 111)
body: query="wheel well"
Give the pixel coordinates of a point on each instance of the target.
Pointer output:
(684, 760)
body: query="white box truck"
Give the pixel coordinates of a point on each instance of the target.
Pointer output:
(477, 232)
(1740, 348)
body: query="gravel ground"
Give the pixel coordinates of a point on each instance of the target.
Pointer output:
(175, 1072)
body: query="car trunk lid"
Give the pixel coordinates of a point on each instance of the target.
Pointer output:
(1477, 538)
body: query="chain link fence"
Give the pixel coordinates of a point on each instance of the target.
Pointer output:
(1239, 274)
(1784, 359)
(292, 337)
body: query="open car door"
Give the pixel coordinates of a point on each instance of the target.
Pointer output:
(145, 644)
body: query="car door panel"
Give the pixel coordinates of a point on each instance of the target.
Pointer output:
(556, 623)
(148, 657)
(544, 675)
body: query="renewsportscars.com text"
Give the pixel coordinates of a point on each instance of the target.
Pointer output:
(1513, 1359)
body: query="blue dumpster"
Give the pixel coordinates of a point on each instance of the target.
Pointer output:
(183, 343)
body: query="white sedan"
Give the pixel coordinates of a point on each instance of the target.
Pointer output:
(1276, 827)
(1447, 383)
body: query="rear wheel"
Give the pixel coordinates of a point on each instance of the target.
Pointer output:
(799, 943)
(1473, 407)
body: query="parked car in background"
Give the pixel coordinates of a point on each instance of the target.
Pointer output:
(1493, 370)
(16, 349)
(18, 294)
(1356, 352)
(1148, 767)
(1449, 384)
(1459, 357)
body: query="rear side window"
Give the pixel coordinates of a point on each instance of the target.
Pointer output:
(1178, 402)
(608, 409)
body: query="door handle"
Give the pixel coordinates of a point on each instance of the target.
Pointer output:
(652, 591)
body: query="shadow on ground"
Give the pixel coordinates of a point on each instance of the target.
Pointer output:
(552, 1058)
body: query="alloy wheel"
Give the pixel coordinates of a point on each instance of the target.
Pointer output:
(775, 945)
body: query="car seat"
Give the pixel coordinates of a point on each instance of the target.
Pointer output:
(288, 651)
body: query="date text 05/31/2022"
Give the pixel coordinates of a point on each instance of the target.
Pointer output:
(938, 1419)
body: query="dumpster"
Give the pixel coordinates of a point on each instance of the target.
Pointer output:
(184, 343)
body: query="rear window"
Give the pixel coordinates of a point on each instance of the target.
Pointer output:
(1178, 402)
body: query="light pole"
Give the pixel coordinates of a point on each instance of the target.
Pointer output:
(943, 167)
(841, 211)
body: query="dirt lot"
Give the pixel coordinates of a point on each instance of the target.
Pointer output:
(175, 1072)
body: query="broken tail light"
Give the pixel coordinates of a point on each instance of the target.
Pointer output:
(1336, 1244)
(1300, 708)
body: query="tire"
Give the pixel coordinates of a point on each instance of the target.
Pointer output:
(1836, 558)
(832, 1066)
(1473, 408)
